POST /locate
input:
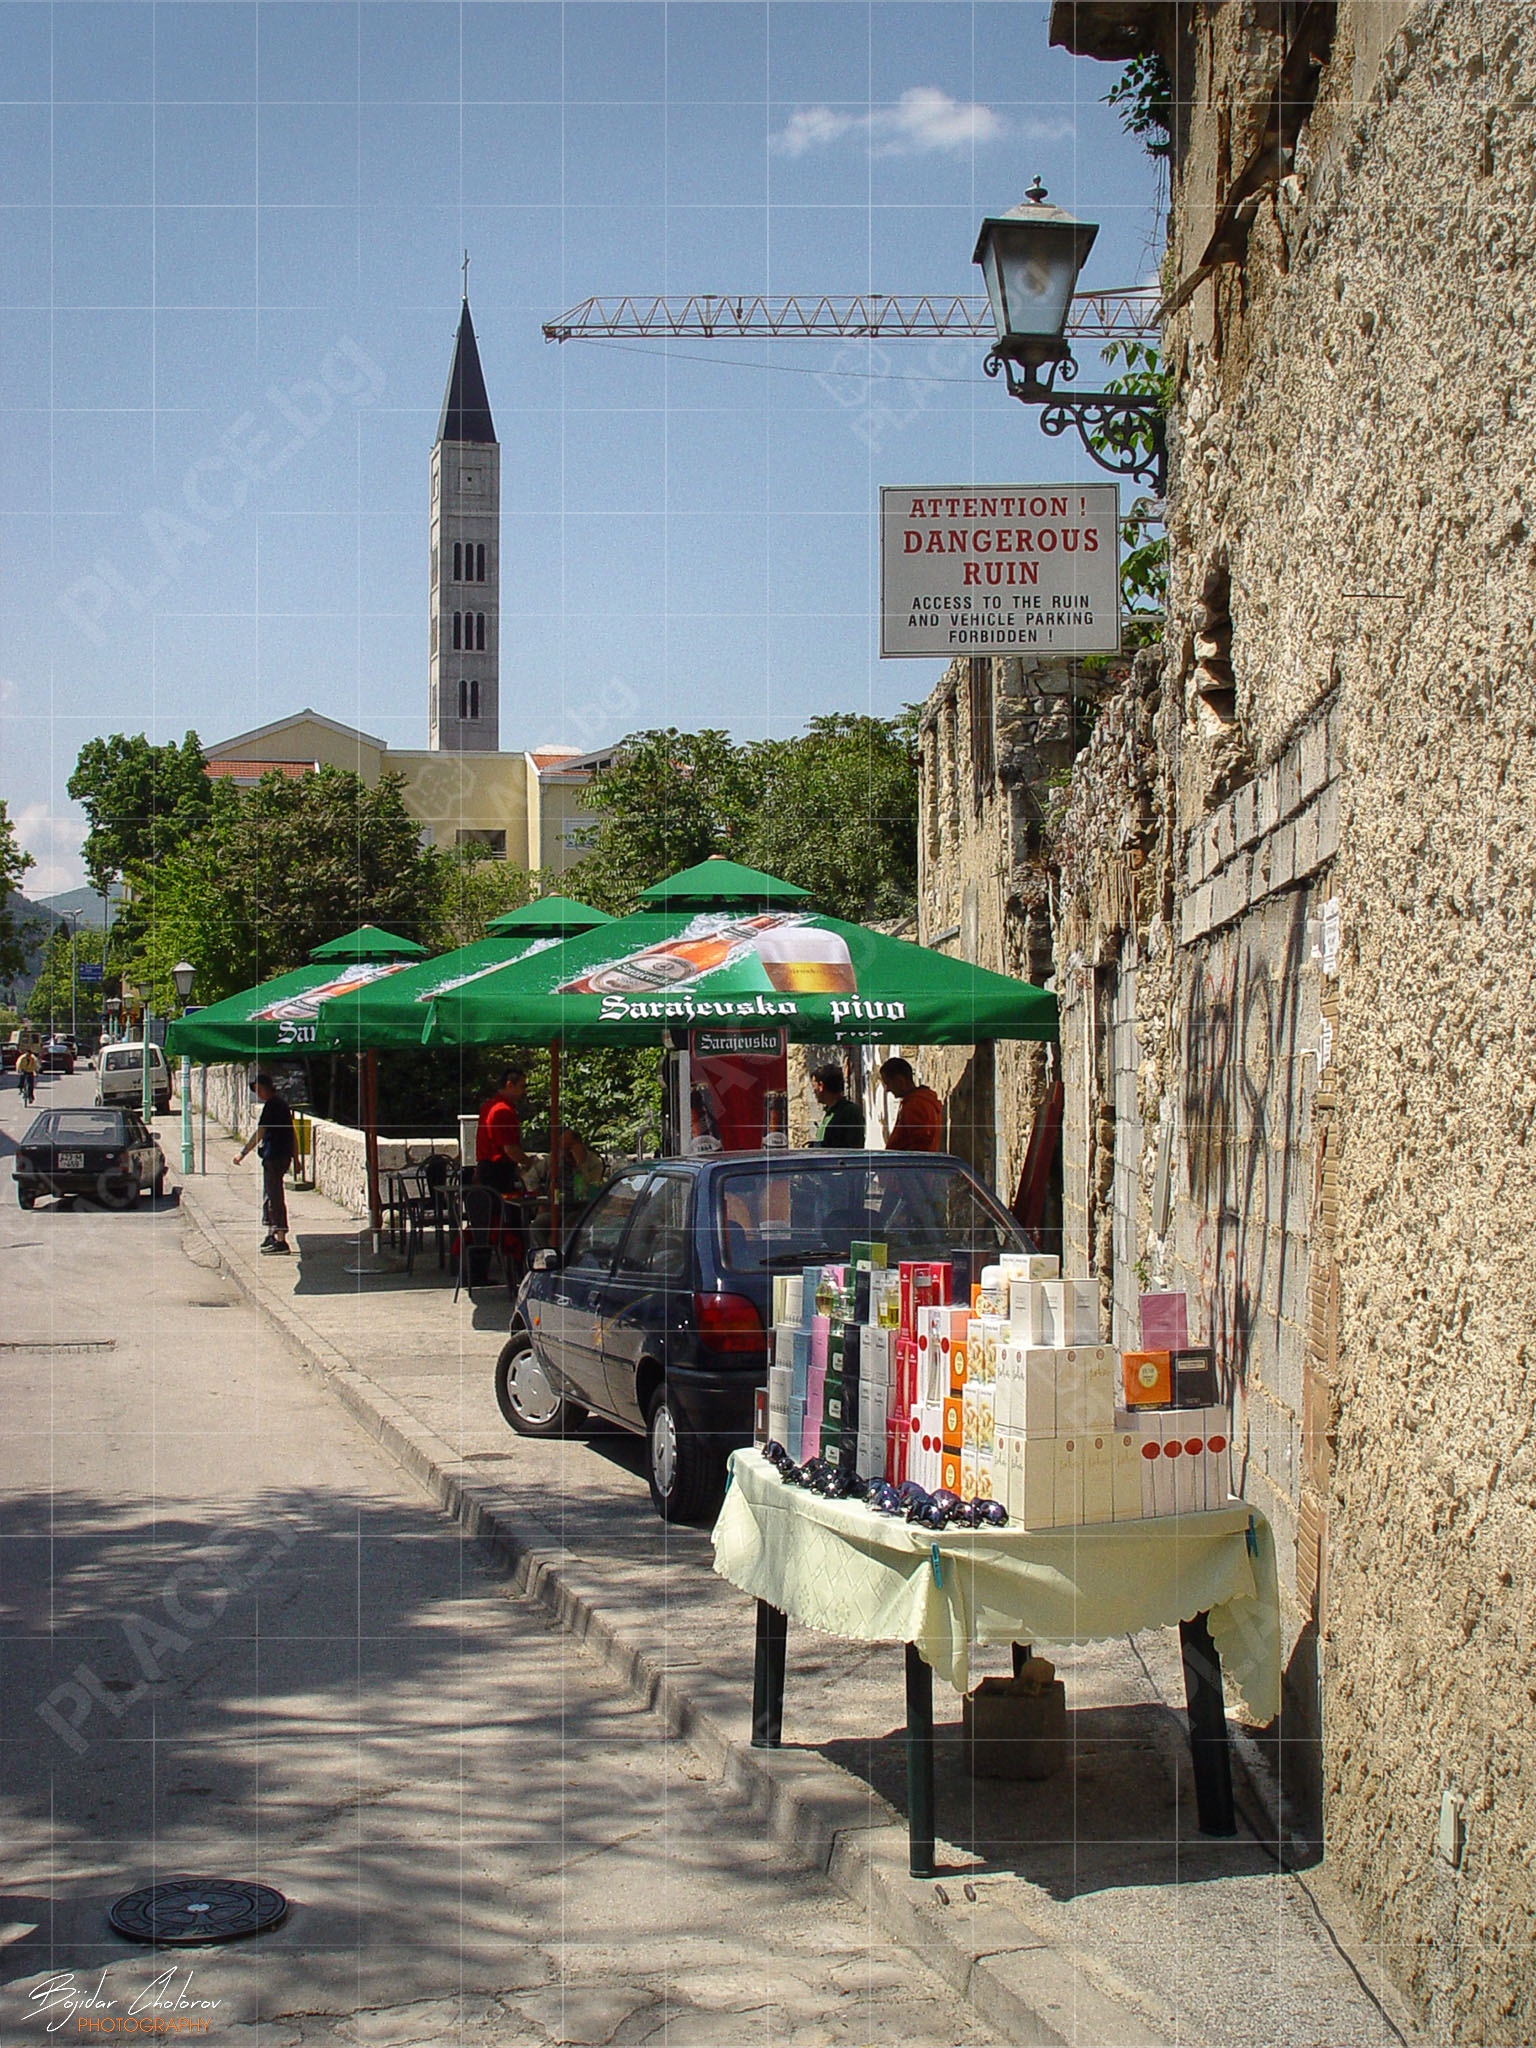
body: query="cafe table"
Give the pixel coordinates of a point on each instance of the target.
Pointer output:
(837, 1566)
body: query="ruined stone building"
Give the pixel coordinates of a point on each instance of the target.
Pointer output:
(1287, 889)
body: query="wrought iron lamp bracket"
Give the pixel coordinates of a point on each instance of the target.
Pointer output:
(1118, 421)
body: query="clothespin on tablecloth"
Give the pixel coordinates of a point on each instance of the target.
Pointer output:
(938, 1569)
(1252, 1535)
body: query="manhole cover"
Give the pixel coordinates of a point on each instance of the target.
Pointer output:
(189, 1910)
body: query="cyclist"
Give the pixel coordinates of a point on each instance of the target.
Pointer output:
(27, 1069)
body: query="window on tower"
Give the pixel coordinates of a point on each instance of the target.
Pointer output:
(480, 632)
(463, 698)
(434, 632)
(480, 563)
(458, 561)
(458, 629)
(474, 697)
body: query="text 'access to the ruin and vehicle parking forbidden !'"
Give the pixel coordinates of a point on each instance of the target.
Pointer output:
(999, 569)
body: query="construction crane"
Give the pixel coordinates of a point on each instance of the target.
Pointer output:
(1129, 315)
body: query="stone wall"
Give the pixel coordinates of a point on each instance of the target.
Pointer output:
(998, 737)
(1343, 752)
(339, 1163)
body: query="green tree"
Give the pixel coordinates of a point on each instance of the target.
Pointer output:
(143, 801)
(49, 999)
(278, 870)
(836, 811)
(475, 888)
(670, 799)
(14, 862)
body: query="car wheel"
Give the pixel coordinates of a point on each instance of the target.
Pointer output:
(25, 1197)
(526, 1396)
(684, 1476)
(118, 1191)
(160, 1184)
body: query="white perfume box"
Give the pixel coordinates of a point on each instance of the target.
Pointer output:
(1184, 1438)
(967, 1475)
(1029, 1266)
(1218, 1457)
(1098, 1476)
(1156, 1471)
(1126, 1463)
(794, 1299)
(1029, 1314)
(1085, 1387)
(1038, 1382)
(1032, 1481)
(1067, 1485)
(994, 1329)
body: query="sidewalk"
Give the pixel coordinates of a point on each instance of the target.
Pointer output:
(1084, 1910)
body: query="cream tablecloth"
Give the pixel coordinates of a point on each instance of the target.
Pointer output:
(835, 1565)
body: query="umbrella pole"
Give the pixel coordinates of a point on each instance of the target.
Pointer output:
(371, 1142)
(554, 1142)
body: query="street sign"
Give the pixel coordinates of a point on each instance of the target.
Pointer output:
(1031, 569)
(91, 971)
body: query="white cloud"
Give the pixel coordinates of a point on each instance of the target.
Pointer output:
(54, 843)
(922, 120)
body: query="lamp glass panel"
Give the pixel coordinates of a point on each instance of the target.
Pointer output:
(1039, 268)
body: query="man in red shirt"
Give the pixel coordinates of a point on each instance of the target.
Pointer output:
(919, 1125)
(499, 1154)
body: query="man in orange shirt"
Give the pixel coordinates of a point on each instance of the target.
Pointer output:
(919, 1123)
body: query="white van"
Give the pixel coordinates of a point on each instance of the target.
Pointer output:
(120, 1077)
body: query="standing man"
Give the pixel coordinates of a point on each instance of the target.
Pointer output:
(919, 1123)
(499, 1154)
(842, 1121)
(273, 1140)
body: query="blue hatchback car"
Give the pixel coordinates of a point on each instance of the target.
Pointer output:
(655, 1314)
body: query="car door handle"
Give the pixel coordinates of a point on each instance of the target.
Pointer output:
(562, 1301)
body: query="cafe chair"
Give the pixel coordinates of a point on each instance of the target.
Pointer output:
(481, 1238)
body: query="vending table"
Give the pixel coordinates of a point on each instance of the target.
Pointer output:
(839, 1567)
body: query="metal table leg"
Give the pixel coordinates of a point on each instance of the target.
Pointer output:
(1207, 1729)
(768, 1677)
(919, 1765)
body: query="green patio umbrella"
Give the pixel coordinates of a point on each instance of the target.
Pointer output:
(280, 1017)
(392, 1013)
(729, 945)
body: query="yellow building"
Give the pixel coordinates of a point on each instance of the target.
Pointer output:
(525, 808)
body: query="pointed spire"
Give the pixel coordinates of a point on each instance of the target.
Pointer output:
(466, 408)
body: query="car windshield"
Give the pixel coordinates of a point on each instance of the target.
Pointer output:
(80, 1127)
(772, 1217)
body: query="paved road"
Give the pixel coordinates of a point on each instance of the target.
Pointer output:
(237, 1642)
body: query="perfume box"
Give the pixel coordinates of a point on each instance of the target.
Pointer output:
(1033, 1481)
(1029, 1314)
(1146, 1379)
(1098, 1475)
(1164, 1322)
(1029, 1266)
(925, 1445)
(924, 1284)
(1071, 1311)
(1085, 1387)
(993, 1330)
(954, 1424)
(986, 1483)
(967, 1487)
(1194, 1379)
(867, 1252)
(1038, 1383)
(821, 1333)
(1067, 1484)
(1126, 1464)
(853, 1350)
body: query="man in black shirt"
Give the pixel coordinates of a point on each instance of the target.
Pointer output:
(273, 1139)
(843, 1121)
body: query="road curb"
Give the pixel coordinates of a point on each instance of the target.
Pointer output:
(820, 1815)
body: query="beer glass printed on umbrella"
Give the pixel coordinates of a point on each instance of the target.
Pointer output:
(802, 959)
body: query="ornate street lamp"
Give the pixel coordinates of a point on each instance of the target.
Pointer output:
(1030, 257)
(183, 974)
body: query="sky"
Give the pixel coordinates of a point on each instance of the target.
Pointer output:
(231, 239)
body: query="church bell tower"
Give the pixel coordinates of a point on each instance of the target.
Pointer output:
(463, 713)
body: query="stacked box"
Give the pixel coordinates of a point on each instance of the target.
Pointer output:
(1085, 1387)
(1164, 1322)
(1029, 1266)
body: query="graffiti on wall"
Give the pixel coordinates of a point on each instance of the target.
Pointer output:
(1240, 1107)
